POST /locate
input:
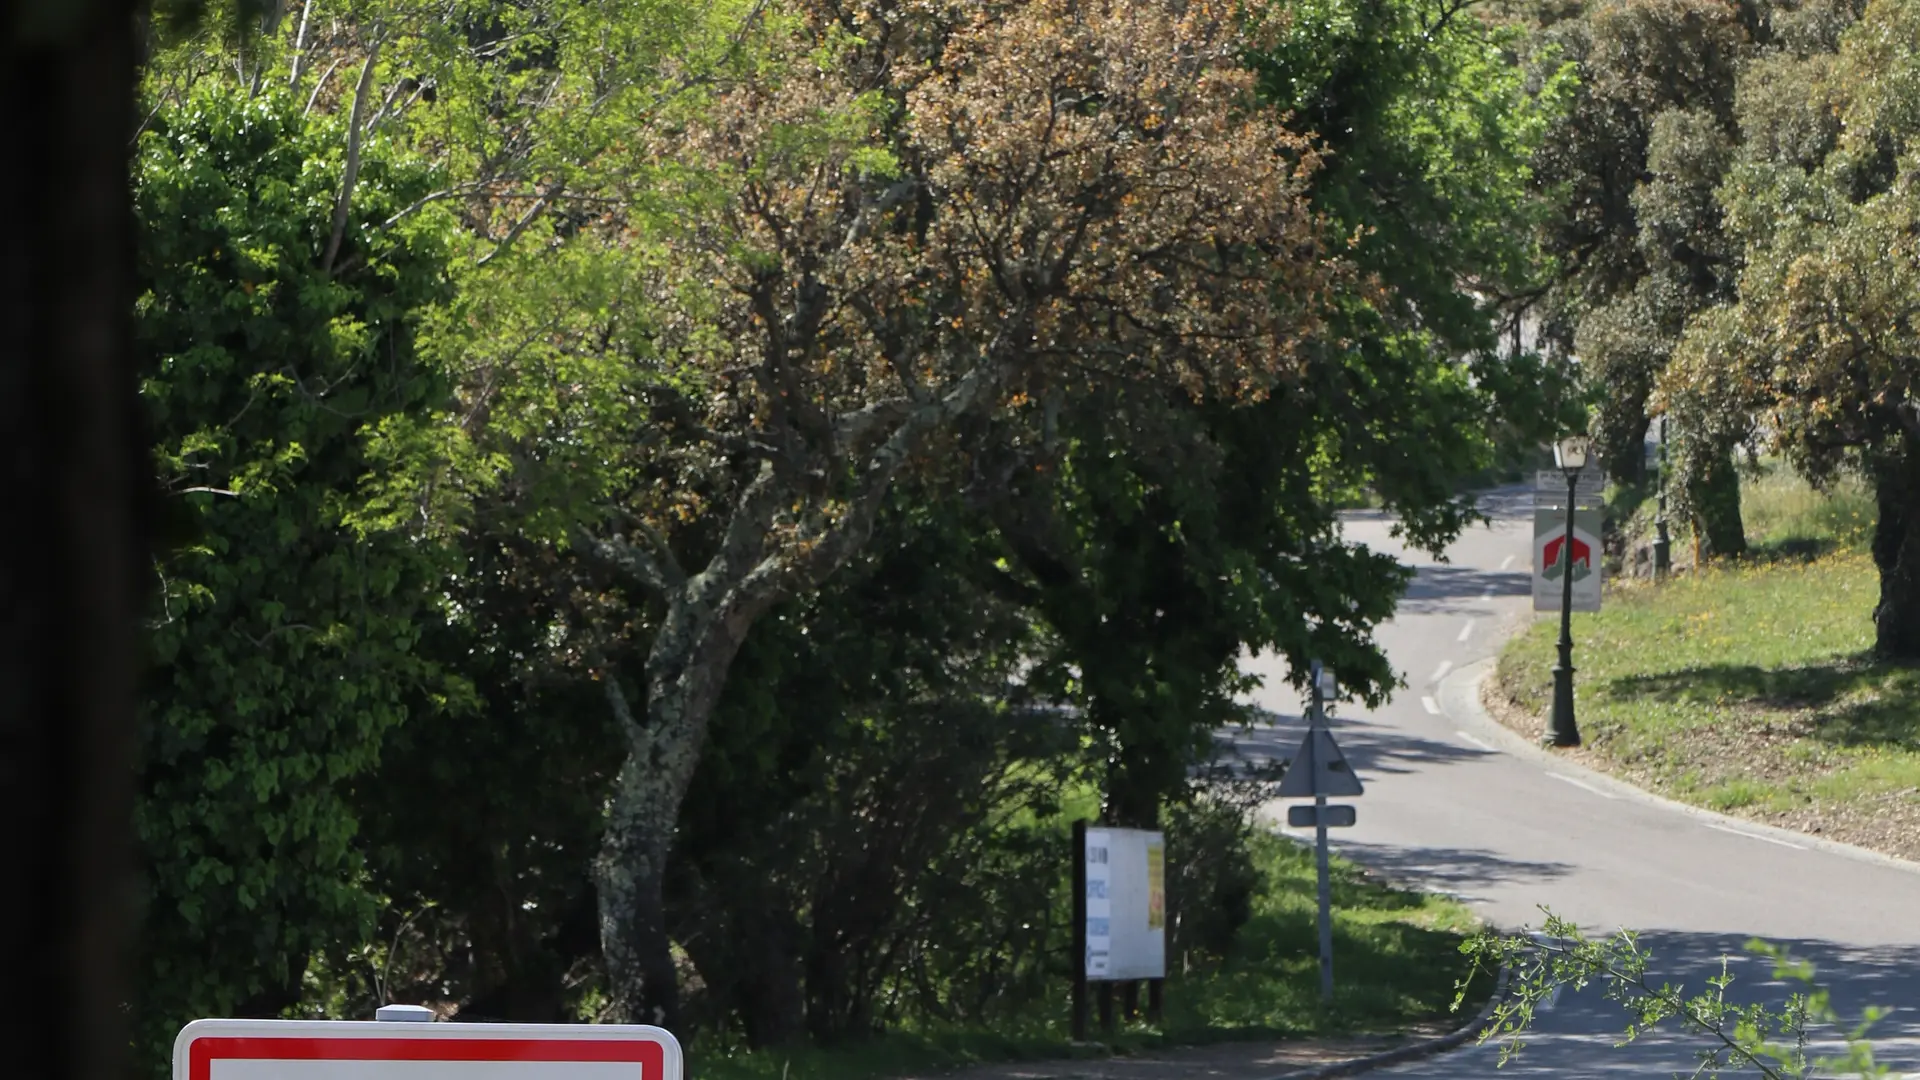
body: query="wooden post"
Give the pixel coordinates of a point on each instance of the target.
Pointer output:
(1079, 1023)
(1130, 998)
(1106, 1006)
(1156, 1001)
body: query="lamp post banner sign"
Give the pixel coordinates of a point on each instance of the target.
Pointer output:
(1551, 560)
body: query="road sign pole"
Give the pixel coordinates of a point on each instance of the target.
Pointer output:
(1326, 901)
(1319, 720)
(1079, 1023)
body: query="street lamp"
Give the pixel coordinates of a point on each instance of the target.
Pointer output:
(1570, 454)
(1662, 542)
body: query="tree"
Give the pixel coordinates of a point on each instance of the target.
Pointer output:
(1638, 236)
(872, 739)
(962, 209)
(1161, 538)
(281, 381)
(1819, 345)
(1690, 264)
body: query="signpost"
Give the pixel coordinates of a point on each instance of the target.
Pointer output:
(1319, 770)
(1120, 916)
(1550, 490)
(1307, 817)
(363, 1050)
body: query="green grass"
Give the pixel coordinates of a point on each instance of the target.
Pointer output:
(1396, 962)
(1783, 515)
(1747, 687)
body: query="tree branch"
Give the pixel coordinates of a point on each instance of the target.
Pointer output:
(351, 174)
(662, 577)
(300, 45)
(630, 726)
(836, 543)
(540, 204)
(320, 83)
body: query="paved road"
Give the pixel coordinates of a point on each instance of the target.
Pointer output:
(1455, 806)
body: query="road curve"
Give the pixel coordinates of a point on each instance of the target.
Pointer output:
(1455, 805)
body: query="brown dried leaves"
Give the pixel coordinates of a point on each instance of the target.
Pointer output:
(1060, 190)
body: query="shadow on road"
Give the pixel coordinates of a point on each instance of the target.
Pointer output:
(1452, 870)
(1576, 1038)
(1441, 590)
(1373, 749)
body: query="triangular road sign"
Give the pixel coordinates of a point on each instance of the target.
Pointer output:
(1318, 768)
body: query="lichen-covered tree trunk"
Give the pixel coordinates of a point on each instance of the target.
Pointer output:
(1896, 553)
(685, 672)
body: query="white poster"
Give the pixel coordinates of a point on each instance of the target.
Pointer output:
(1126, 904)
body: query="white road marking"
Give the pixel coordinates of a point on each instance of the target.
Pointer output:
(1751, 836)
(1432, 706)
(1466, 631)
(1488, 747)
(1441, 671)
(1582, 785)
(1506, 562)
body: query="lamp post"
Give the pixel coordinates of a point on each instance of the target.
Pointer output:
(1662, 542)
(1571, 455)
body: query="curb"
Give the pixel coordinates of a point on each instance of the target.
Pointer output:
(1459, 699)
(1439, 1044)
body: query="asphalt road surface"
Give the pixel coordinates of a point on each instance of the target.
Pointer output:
(1456, 804)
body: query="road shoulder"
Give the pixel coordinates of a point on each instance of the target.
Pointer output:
(1460, 698)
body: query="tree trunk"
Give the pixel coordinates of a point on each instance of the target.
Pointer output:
(73, 555)
(1620, 439)
(1714, 495)
(630, 872)
(1896, 553)
(773, 1007)
(686, 671)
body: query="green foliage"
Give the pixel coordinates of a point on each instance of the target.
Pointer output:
(1400, 957)
(286, 644)
(1433, 130)
(1817, 344)
(876, 831)
(1639, 236)
(1159, 548)
(1772, 1040)
(391, 466)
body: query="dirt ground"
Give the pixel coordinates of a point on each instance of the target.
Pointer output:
(1220, 1061)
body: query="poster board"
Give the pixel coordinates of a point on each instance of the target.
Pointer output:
(1126, 902)
(1549, 538)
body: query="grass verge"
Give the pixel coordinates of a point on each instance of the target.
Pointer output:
(1746, 688)
(1397, 961)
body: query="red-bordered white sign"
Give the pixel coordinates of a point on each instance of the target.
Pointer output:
(371, 1050)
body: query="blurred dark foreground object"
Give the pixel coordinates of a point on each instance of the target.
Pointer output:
(72, 550)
